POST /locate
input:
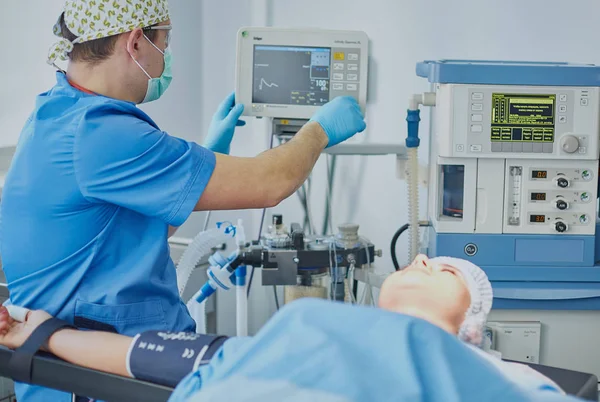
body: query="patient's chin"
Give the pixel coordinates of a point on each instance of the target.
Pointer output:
(409, 294)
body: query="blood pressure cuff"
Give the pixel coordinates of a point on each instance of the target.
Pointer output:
(165, 358)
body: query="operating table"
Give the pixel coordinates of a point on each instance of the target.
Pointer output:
(51, 372)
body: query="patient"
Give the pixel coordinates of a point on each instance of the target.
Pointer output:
(324, 351)
(451, 293)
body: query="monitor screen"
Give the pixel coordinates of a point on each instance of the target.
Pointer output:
(523, 118)
(288, 75)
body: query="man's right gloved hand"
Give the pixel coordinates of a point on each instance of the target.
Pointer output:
(340, 119)
(222, 127)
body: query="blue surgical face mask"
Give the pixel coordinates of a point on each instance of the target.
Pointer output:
(157, 86)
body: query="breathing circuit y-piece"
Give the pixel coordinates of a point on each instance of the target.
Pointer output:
(221, 274)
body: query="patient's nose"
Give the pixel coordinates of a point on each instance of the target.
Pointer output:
(422, 262)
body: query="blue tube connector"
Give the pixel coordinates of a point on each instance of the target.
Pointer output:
(413, 118)
(240, 276)
(206, 291)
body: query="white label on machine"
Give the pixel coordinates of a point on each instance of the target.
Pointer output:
(519, 341)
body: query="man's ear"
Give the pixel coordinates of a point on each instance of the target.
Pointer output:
(133, 41)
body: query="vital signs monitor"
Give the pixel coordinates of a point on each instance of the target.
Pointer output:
(289, 73)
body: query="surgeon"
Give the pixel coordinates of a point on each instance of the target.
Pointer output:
(96, 187)
(420, 345)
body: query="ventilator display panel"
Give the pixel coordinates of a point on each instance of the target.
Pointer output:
(523, 118)
(287, 75)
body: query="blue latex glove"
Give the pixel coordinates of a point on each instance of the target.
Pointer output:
(341, 119)
(223, 125)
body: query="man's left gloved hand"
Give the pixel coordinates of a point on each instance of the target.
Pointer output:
(223, 125)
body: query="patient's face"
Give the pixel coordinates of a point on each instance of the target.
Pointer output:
(430, 290)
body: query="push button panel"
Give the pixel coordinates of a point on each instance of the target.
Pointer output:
(345, 72)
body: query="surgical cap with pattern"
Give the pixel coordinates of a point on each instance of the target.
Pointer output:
(96, 19)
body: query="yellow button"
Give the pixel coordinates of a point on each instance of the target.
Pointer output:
(338, 56)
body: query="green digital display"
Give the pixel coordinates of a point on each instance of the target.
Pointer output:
(523, 118)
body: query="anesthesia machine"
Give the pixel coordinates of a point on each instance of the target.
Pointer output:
(513, 177)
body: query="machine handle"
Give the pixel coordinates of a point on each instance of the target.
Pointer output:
(546, 294)
(481, 214)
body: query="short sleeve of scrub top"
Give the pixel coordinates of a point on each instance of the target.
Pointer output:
(122, 159)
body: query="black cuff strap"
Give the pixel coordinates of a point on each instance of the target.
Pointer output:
(22, 359)
(213, 348)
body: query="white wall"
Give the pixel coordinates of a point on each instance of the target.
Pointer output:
(23, 61)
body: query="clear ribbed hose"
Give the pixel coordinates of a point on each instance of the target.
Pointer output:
(413, 203)
(201, 246)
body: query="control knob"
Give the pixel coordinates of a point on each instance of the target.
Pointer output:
(569, 144)
(562, 182)
(561, 227)
(561, 204)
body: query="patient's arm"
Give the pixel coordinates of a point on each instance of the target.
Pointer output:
(95, 350)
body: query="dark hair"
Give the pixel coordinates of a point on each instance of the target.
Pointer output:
(97, 50)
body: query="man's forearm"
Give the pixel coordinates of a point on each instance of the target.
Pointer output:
(290, 165)
(100, 351)
(266, 180)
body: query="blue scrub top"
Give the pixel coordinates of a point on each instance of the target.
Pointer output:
(85, 210)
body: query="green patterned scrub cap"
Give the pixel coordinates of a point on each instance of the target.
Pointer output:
(95, 19)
